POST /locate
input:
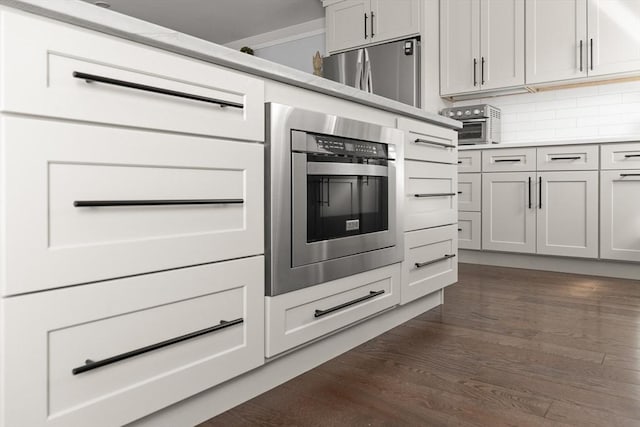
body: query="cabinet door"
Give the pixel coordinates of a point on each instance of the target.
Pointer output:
(567, 219)
(556, 40)
(620, 210)
(348, 25)
(502, 43)
(509, 212)
(615, 34)
(459, 46)
(392, 19)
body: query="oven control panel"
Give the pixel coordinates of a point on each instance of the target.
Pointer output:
(347, 147)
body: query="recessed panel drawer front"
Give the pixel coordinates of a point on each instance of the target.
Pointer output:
(431, 261)
(572, 157)
(120, 82)
(469, 230)
(620, 215)
(88, 203)
(620, 156)
(431, 191)
(110, 353)
(469, 161)
(469, 192)
(428, 142)
(297, 317)
(509, 160)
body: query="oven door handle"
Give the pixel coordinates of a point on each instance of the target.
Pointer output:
(350, 169)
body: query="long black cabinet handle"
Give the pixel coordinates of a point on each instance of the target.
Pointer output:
(365, 26)
(475, 71)
(109, 203)
(372, 24)
(91, 365)
(424, 264)
(629, 174)
(627, 156)
(580, 55)
(591, 48)
(109, 81)
(372, 294)
(566, 158)
(540, 193)
(434, 195)
(529, 192)
(482, 72)
(439, 144)
(507, 160)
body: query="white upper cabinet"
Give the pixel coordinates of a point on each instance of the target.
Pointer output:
(392, 19)
(459, 46)
(481, 45)
(614, 36)
(572, 39)
(501, 43)
(356, 23)
(556, 40)
(347, 24)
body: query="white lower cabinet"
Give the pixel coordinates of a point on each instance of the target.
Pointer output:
(469, 192)
(567, 216)
(509, 212)
(469, 230)
(105, 202)
(295, 318)
(109, 353)
(430, 262)
(620, 214)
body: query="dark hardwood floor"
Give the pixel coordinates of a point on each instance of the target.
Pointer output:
(510, 347)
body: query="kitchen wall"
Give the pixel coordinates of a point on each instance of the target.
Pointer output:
(293, 46)
(602, 111)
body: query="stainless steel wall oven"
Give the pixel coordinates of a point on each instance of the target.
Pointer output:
(332, 197)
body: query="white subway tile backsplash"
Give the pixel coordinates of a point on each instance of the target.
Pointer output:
(584, 112)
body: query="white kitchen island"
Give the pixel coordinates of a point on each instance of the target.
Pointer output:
(118, 313)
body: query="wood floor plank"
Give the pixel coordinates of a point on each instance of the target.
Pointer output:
(510, 347)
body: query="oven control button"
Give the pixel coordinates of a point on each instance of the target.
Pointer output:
(451, 114)
(459, 113)
(466, 113)
(476, 111)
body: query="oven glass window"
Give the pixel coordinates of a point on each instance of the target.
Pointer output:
(342, 206)
(471, 131)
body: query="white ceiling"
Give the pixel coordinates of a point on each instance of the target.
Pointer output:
(221, 21)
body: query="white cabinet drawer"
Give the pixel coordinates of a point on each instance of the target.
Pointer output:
(428, 142)
(164, 331)
(38, 79)
(469, 192)
(297, 317)
(469, 230)
(509, 159)
(430, 263)
(59, 165)
(567, 158)
(620, 156)
(469, 161)
(431, 191)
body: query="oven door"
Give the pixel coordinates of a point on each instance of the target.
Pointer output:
(473, 131)
(340, 209)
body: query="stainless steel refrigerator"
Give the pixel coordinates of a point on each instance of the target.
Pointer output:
(391, 70)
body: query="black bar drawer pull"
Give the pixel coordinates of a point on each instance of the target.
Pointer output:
(566, 158)
(439, 144)
(459, 229)
(424, 264)
(529, 192)
(434, 195)
(507, 160)
(540, 193)
(91, 365)
(372, 294)
(459, 162)
(109, 203)
(627, 156)
(629, 174)
(109, 81)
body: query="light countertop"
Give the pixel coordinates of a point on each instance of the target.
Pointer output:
(95, 18)
(599, 140)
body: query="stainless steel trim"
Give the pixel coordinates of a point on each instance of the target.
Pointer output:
(348, 169)
(281, 275)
